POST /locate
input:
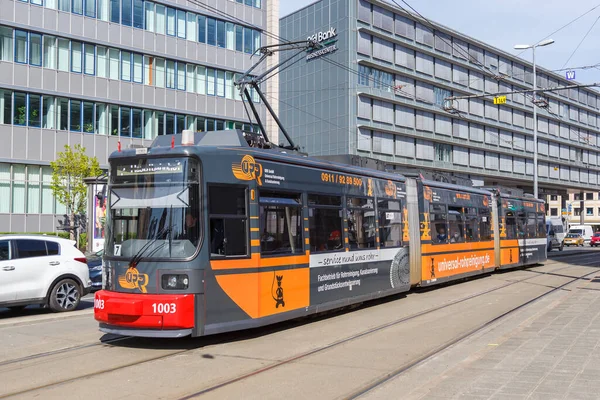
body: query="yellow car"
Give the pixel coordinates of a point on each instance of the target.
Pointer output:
(573, 239)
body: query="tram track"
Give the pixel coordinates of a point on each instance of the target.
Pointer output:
(396, 322)
(64, 350)
(436, 351)
(258, 371)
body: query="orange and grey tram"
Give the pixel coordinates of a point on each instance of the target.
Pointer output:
(205, 238)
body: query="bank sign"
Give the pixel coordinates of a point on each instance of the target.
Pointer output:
(327, 41)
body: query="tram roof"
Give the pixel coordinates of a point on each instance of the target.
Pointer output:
(235, 140)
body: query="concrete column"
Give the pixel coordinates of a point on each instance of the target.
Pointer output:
(581, 207)
(272, 85)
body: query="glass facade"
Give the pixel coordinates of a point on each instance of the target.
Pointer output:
(93, 88)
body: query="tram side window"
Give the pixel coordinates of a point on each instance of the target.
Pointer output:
(471, 224)
(541, 225)
(511, 226)
(439, 226)
(531, 225)
(485, 224)
(521, 225)
(280, 223)
(390, 223)
(325, 222)
(361, 223)
(456, 224)
(228, 221)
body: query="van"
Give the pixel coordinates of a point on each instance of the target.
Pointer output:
(555, 234)
(584, 230)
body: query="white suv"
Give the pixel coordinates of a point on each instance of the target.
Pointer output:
(44, 270)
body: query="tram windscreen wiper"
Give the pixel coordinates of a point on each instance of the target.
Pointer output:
(138, 256)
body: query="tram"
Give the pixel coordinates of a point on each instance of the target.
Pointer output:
(213, 235)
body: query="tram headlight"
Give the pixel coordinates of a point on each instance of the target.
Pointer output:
(175, 281)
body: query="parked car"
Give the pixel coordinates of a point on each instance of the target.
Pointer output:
(555, 233)
(94, 262)
(574, 239)
(584, 230)
(595, 241)
(44, 270)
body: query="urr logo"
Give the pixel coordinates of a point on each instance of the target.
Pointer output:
(134, 280)
(248, 170)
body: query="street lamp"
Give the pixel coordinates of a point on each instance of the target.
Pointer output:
(535, 141)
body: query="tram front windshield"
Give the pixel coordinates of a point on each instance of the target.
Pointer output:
(154, 209)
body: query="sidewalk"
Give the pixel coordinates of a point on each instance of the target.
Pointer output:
(550, 350)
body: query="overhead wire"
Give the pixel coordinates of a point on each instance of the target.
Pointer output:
(484, 68)
(584, 37)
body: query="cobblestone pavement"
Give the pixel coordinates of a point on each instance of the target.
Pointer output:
(548, 353)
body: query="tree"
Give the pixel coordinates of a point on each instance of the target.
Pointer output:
(68, 171)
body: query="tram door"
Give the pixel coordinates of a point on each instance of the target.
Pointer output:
(284, 274)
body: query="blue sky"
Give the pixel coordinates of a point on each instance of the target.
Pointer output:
(508, 22)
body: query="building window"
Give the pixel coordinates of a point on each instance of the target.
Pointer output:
(21, 47)
(577, 196)
(6, 43)
(90, 8)
(136, 123)
(201, 29)
(589, 211)
(553, 197)
(126, 12)
(34, 110)
(77, 7)
(443, 152)
(125, 121)
(589, 196)
(138, 68)
(239, 38)
(248, 41)
(221, 34)
(126, 66)
(115, 11)
(180, 76)
(161, 22)
(171, 21)
(554, 212)
(149, 16)
(191, 26)
(76, 59)
(89, 59)
(181, 20)
(35, 49)
(88, 117)
(170, 81)
(577, 211)
(138, 14)
(210, 75)
(211, 31)
(20, 108)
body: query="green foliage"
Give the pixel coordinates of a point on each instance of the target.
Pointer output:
(68, 171)
(83, 241)
(21, 115)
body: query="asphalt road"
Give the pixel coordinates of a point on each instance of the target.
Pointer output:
(346, 354)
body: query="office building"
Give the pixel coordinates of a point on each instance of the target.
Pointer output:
(377, 88)
(96, 72)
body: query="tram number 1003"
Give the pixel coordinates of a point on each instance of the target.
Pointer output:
(164, 308)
